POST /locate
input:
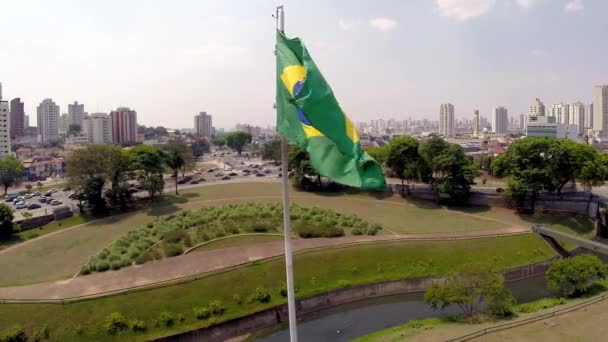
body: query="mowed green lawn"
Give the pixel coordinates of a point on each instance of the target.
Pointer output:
(315, 272)
(61, 255)
(236, 241)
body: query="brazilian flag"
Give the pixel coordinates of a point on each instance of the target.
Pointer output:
(309, 115)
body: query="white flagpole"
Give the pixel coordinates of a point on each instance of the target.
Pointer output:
(291, 299)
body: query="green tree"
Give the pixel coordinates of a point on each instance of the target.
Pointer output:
(238, 140)
(445, 166)
(272, 150)
(200, 147)
(299, 163)
(219, 141)
(178, 155)
(379, 153)
(402, 158)
(6, 221)
(536, 164)
(11, 172)
(90, 168)
(575, 275)
(473, 285)
(149, 162)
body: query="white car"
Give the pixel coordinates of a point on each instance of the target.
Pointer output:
(21, 205)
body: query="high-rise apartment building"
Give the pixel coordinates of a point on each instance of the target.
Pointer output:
(5, 129)
(124, 126)
(203, 124)
(577, 116)
(536, 109)
(500, 120)
(48, 121)
(600, 111)
(17, 118)
(561, 112)
(589, 116)
(64, 123)
(476, 123)
(26, 121)
(98, 128)
(446, 119)
(76, 114)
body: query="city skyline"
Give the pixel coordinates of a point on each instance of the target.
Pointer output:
(207, 57)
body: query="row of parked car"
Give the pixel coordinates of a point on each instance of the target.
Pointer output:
(20, 202)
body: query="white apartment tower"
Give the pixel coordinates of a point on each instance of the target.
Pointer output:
(589, 116)
(500, 120)
(98, 128)
(75, 114)
(600, 110)
(48, 121)
(446, 120)
(561, 112)
(5, 129)
(536, 109)
(476, 123)
(577, 116)
(203, 125)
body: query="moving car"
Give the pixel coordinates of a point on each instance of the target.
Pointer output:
(233, 174)
(260, 174)
(34, 206)
(218, 174)
(225, 178)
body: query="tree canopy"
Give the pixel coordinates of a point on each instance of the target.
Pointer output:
(536, 164)
(149, 162)
(446, 167)
(200, 147)
(11, 172)
(575, 275)
(473, 285)
(272, 150)
(6, 221)
(179, 155)
(237, 140)
(402, 158)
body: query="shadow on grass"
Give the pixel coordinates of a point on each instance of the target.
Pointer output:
(191, 195)
(470, 209)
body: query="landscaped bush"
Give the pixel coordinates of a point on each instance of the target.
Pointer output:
(172, 249)
(262, 295)
(217, 308)
(137, 325)
(166, 318)
(202, 313)
(14, 334)
(40, 334)
(115, 322)
(237, 299)
(171, 235)
(309, 230)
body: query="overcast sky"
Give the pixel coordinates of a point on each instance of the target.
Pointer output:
(169, 60)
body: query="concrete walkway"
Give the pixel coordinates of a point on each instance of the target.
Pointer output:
(197, 263)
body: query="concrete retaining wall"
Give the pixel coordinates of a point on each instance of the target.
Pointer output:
(270, 317)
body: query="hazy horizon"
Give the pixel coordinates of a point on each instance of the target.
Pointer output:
(394, 59)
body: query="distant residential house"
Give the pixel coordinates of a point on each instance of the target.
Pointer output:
(37, 169)
(24, 153)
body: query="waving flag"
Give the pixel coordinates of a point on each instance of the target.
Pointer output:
(309, 115)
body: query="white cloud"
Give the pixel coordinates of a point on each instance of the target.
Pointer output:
(225, 19)
(347, 25)
(538, 52)
(526, 3)
(464, 9)
(574, 6)
(383, 24)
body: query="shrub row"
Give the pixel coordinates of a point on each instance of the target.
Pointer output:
(171, 235)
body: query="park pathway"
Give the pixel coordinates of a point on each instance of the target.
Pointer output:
(198, 263)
